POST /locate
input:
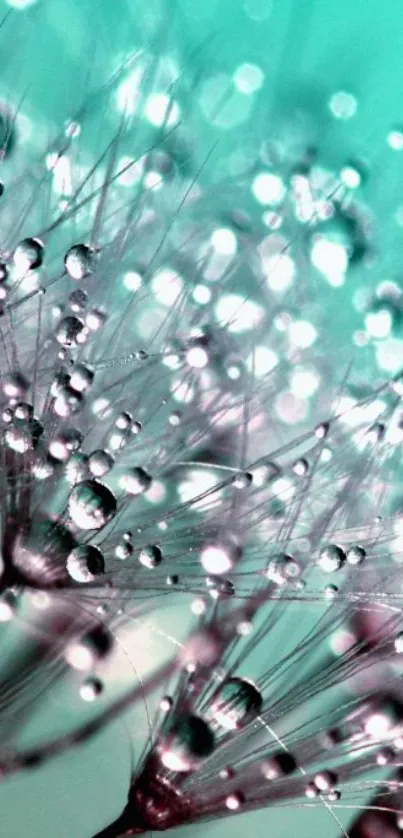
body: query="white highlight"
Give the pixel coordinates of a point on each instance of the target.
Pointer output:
(343, 105)
(280, 271)
(330, 258)
(248, 78)
(224, 241)
(160, 110)
(304, 383)
(197, 357)
(132, 281)
(268, 188)
(167, 286)
(216, 560)
(379, 324)
(302, 333)
(262, 361)
(238, 314)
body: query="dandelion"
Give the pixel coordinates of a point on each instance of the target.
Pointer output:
(183, 427)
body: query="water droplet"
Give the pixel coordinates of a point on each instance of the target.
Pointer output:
(219, 588)
(100, 462)
(19, 439)
(38, 552)
(356, 555)
(79, 261)
(28, 255)
(91, 505)
(81, 378)
(243, 480)
(123, 550)
(69, 330)
(67, 402)
(14, 385)
(85, 563)
(78, 300)
(150, 556)
(63, 445)
(322, 430)
(236, 703)
(399, 643)
(186, 742)
(301, 467)
(311, 791)
(277, 766)
(123, 421)
(221, 557)
(4, 272)
(91, 689)
(325, 780)
(136, 481)
(76, 468)
(95, 319)
(282, 569)
(82, 654)
(234, 801)
(331, 558)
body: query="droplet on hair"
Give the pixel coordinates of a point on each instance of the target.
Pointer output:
(91, 505)
(79, 261)
(85, 563)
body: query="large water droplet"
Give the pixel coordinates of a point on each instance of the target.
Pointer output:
(91, 505)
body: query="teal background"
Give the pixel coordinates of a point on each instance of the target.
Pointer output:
(307, 50)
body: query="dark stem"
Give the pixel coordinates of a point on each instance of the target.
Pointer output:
(121, 827)
(152, 804)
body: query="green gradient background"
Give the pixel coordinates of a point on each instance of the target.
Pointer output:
(307, 50)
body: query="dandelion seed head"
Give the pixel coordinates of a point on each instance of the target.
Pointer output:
(190, 370)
